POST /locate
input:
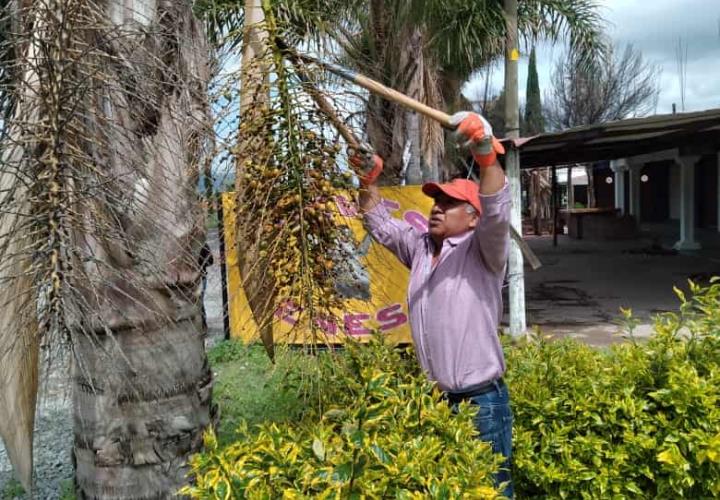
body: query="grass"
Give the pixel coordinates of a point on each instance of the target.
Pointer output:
(212, 221)
(249, 387)
(67, 490)
(12, 489)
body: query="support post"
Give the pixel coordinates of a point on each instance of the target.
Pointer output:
(718, 191)
(619, 167)
(223, 267)
(570, 189)
(687, 203)
(518, 324)
(554, 205)
(635, 170)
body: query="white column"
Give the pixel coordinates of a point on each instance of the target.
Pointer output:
(634, 207)
(619, 167)
(516, 276)
(687, 203)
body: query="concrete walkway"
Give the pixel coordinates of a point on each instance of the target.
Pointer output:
(583, 284)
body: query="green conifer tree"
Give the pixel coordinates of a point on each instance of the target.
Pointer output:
(533, 122)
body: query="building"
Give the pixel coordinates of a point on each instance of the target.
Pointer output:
(659, 169)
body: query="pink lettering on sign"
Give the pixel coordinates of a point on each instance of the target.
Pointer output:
(327, 325)
(388, 318)
(391, 205)
(391, 317)
(346, 207)
(416, 220)
(287, 312)
(354, 323)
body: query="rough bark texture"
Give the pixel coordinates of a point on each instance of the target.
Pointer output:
(142, 393)
(101, 228)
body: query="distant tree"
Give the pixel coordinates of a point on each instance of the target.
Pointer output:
(534, 122)
(537, 181)
(625, 86)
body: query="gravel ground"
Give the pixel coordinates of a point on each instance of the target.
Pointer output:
(53, 424)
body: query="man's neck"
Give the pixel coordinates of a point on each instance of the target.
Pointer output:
(437, 245)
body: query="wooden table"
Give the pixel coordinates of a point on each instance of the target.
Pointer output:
(575, 218)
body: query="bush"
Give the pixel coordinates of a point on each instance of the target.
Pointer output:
(375, 430)
(639, 420)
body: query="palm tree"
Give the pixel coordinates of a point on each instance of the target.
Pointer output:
(107, 122)
(429, 48)
(423, 48)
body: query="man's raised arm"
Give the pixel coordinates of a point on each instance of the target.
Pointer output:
(394, 234)
(492, 230)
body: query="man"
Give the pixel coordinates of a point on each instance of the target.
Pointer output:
(456, 275)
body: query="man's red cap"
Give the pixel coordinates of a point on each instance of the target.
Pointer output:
(460, 189)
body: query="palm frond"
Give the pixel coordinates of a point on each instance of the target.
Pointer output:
(579, 22)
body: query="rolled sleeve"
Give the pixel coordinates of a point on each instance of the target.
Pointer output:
(492, 233)
(394, 234)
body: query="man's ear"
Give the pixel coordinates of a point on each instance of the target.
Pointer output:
(473, 220)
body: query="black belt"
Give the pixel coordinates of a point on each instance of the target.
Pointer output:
(456, 397)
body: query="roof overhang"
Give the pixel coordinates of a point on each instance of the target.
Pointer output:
(691, 133)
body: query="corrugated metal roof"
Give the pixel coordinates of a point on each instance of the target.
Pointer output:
(621, 139)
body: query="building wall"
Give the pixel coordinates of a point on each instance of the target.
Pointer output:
(604, 192)
(706, 192)
(655, 192)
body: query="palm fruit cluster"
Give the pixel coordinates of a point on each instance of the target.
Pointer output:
(291, 245)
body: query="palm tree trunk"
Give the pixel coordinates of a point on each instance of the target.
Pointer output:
(414, 173)
(142, 393)
(390, 126)
(101, 230)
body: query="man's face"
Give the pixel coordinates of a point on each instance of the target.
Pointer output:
(450, 217)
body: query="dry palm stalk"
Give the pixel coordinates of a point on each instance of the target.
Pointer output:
(290, 246)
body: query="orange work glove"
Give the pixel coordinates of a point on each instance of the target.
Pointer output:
(366, 163)
(475, 133)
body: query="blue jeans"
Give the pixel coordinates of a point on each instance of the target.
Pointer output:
(494, 424)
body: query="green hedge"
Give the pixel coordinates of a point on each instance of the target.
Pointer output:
(373, 428)
(639, 420)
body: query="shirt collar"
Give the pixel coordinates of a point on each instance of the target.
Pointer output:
(456, 240)
(453, 241)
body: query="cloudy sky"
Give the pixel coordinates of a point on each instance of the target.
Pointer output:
(654, 27)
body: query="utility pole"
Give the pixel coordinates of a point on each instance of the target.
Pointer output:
(516, 276)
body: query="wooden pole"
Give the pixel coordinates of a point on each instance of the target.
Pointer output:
(223, 267)
(518, 324)
(555, 204)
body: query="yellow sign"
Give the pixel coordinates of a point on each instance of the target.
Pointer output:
(514, 54)
(376, 296)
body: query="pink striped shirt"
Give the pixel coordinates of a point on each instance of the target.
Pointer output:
(456, 306)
